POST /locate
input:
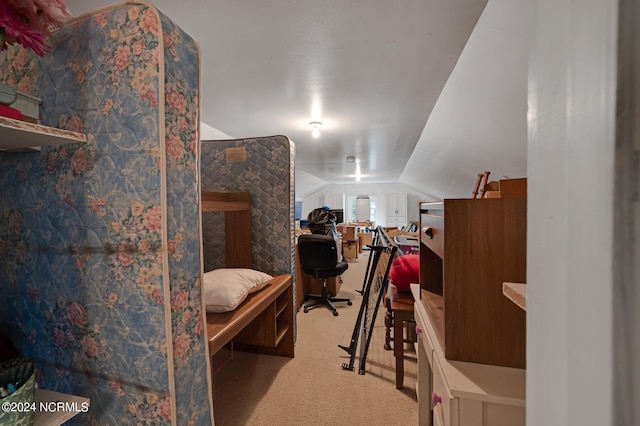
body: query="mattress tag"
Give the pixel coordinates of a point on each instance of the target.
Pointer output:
(236, 154)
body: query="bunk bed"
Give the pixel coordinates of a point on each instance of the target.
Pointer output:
(263, 321)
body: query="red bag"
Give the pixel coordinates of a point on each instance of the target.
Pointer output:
(404, 271)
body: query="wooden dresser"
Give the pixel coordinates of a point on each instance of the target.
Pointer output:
(471, 339)
(468, 248)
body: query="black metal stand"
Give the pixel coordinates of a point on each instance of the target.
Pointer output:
(368, 280)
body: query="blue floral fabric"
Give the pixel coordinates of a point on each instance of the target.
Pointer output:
(100, 241)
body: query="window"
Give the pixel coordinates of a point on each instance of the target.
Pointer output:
(372, 204)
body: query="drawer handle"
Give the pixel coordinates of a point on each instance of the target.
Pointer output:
(428, 231)
(437, 399)
(418, 329)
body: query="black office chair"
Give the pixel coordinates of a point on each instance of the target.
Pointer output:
(319, 258)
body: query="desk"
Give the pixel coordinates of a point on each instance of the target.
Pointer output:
(400, 307)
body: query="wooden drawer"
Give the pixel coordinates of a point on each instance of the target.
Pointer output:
(434, 235)
(438, 416)
(423, 336)
(442, 398)
(504, 415)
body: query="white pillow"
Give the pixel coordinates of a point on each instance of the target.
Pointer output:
(226, 288)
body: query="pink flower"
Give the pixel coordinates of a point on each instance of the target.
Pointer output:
(77, 315)
(78, 162)
(164, 409)
(176, 101)
(124, 258)
(181, 345)
(186, 317)
(175, 147)
(27, 22)
(151, 97)
(100, 20)
(179, 300)
(149, 22)
(89, 346)
(96, 204)
(74, 124)
(157, 297)
(144, 246)
(138, 47)
(121, 57)
(153, 219)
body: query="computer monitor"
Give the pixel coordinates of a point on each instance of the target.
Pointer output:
(339, 215)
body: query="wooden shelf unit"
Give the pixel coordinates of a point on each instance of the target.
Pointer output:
(16, 135)
(271, 331)
(468, 248)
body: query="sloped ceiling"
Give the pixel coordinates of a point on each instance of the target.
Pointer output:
(479, 122)
(427, 93)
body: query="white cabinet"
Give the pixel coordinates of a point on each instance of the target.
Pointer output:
(455, 393)
(397, 204)
(396, 221)
(396, 209)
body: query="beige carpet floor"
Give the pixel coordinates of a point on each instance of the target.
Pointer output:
(312, 388)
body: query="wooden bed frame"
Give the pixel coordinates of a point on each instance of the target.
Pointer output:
(263, 323)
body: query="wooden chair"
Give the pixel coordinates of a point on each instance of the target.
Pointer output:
(399, 314)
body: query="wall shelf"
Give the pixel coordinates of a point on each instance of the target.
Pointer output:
(16, 135)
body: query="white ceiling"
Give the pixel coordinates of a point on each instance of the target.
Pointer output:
(371, 71)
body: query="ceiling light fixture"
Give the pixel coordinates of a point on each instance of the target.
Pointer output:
(316, 131)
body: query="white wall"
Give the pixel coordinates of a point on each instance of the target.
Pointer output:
(479, 121)
(572, 104)
(316, 199)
